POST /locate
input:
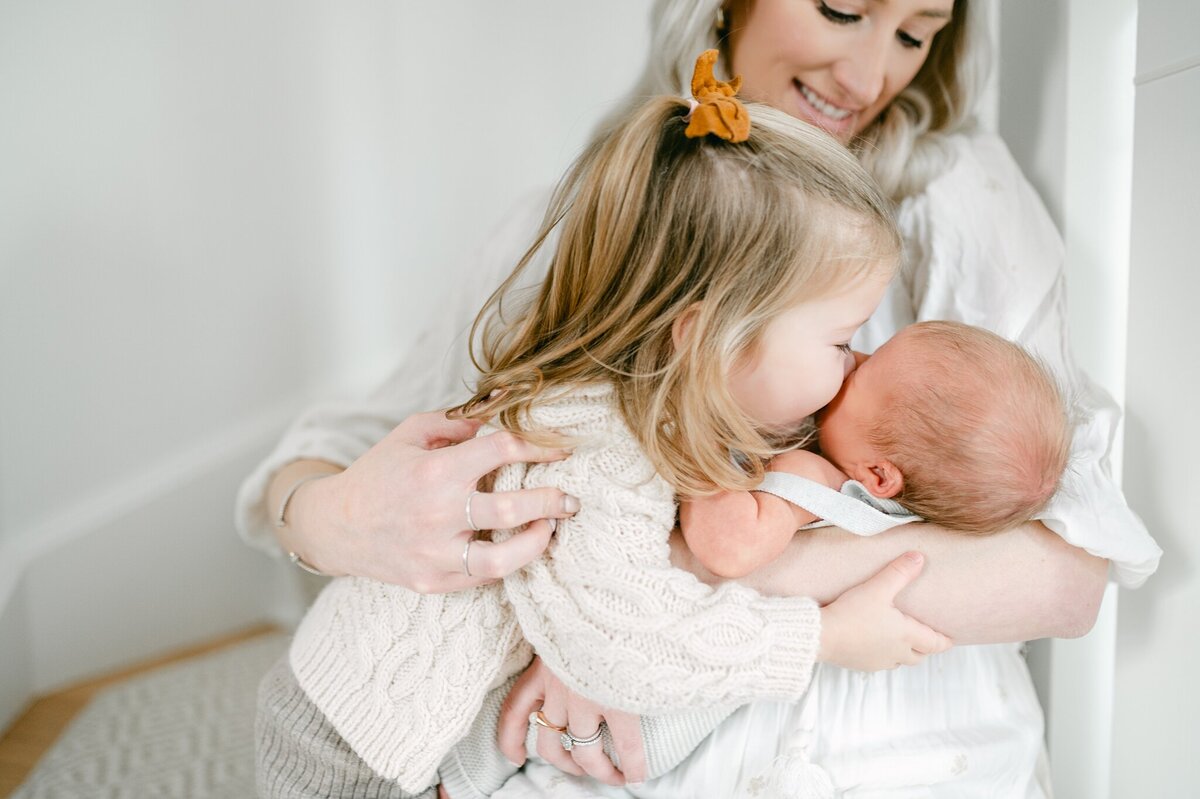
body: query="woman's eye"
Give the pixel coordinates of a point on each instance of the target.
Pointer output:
(844, 348)
(909, 41)
(836, 17)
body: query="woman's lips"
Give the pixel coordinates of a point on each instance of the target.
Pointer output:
(819, 111)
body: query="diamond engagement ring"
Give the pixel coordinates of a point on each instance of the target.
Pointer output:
(569, 741)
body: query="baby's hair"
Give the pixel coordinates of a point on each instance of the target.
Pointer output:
(651, 224)
(978, 428)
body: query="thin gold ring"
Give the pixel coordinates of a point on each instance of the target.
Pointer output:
(539, 718)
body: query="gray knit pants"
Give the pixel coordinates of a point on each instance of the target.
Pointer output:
(298, 754)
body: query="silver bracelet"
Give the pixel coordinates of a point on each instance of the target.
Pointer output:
(291, 492)
(294, 557)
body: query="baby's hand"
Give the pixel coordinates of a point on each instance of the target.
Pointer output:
(863, 630)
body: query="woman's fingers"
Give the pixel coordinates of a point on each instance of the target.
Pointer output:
(549, 741)
(485, 454)
(434, 430)
(525, 697)
(591, 757)
(504, 510)
(625, 729)
(486, 561)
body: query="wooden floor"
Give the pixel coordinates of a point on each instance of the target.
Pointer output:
(36, 730)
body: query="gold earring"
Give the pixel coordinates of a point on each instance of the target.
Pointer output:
(720, 26)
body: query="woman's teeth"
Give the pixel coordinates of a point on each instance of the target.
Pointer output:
(833, 112)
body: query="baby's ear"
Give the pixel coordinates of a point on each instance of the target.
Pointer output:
(884, 479)
(682, 325)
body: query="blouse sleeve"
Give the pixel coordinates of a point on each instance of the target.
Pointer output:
(983, 250)
(433, 374)
(613, 619)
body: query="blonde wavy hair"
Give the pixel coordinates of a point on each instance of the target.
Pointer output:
(904, 149)
(653, 225)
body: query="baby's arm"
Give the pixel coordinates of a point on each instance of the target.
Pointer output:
(733, 533)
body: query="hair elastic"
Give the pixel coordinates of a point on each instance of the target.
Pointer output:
(717, 111)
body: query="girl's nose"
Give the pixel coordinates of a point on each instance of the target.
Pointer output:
(860, 75)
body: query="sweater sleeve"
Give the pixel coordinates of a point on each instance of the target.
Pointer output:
(433, 375)
(609, 614)
(996, 261)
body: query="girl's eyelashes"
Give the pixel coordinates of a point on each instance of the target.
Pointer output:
(844, 347)
(842, 18)
(834, 16)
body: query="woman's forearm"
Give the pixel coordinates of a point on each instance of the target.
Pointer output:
(1022, 584)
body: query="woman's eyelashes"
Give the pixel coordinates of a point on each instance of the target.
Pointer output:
(843, 18)
(835, 16)
(844, 347)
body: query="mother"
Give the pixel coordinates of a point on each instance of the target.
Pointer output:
(896, 80)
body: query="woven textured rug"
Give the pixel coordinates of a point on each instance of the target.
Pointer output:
(185, 730)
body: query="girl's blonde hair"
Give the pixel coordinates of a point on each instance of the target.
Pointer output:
(904, 148)
(653, 225)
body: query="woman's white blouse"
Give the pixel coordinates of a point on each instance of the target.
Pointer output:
(979, 248)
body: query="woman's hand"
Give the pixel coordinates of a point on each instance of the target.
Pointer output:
(399, 513)
(538, 689)
(863, 630)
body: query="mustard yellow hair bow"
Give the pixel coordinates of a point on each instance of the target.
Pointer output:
(716, 110)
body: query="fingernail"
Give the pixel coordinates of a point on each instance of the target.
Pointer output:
(570, 504)
(915, 557)
(634, 785)
(514, 763)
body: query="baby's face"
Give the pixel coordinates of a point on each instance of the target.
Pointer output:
(844, 422)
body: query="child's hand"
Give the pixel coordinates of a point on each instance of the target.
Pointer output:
(863, 630)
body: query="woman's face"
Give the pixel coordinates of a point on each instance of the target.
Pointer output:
(834, 63)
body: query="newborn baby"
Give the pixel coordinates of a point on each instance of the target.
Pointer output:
(960, 426)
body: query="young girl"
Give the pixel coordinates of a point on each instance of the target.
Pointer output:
(712, 263)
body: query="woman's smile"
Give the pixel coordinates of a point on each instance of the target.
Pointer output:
(815, 108)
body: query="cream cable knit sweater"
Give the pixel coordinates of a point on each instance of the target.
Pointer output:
(401, 675)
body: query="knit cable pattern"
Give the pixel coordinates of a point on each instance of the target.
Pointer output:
(402, 675)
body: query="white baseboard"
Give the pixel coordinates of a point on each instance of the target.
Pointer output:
(149, 565)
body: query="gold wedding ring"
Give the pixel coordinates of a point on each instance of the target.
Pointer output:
(539, 718)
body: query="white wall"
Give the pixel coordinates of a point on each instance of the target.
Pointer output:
(210, 214)
(1066, 111)
(1157, 704)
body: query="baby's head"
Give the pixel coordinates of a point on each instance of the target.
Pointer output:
(959, 425)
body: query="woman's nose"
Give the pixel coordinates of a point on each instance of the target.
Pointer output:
(860, 75)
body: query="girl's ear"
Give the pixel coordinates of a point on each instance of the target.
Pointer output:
(682, 325)
(883, 479)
